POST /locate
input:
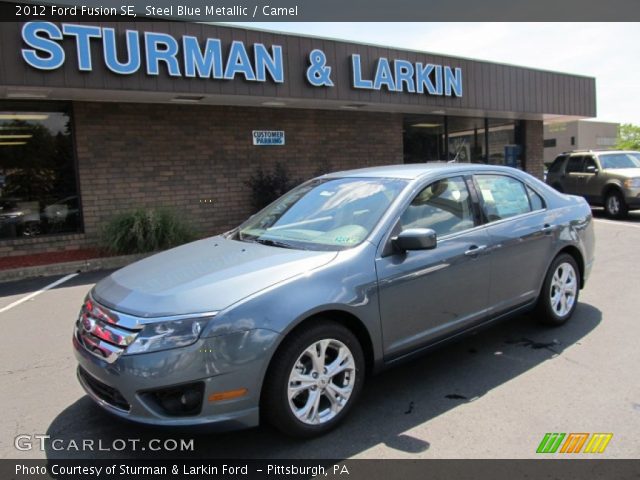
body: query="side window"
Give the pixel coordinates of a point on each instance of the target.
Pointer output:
(574, 165)
(502, 196)
(589, 165)
(444, 206)
(537, 203)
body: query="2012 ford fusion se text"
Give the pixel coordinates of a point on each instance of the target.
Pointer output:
(282, 318)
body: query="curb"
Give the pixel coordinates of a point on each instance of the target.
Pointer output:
(65, 268)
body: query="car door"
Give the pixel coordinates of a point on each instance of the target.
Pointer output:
(520, 233)
(572, 173)
(587, 183)
(427, 294)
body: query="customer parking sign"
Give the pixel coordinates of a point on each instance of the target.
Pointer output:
(268, 137)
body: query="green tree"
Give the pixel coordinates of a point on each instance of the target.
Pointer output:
(628, 137)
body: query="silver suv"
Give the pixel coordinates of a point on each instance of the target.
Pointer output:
(604, 178)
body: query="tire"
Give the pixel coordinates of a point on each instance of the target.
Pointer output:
(289, 404)
(615, 205)
(552, 309)
(31, 229)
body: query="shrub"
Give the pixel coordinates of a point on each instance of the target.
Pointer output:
(141, 231)
(268, 186)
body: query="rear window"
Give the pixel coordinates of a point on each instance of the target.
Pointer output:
(502, 196)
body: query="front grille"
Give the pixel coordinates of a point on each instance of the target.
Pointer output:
(104, 392)
(100, 332)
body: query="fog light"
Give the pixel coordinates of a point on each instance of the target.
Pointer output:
(178, 401)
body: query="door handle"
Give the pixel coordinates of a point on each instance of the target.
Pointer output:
(475, 250)
(547, 229)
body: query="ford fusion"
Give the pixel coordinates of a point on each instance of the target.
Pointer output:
(281, 319)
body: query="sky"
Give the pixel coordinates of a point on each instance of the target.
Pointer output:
(610, 52)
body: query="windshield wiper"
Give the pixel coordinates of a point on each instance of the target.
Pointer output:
(273, 243)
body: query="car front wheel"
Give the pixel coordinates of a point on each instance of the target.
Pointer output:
(314, 380)
(559, 296)
(614, 205)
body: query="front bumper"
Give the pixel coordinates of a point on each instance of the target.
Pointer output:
(632, 198)
(230, 362)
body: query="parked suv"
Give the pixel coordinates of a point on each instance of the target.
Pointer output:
(605, 178)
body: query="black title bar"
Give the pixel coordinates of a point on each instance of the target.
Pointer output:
(582, 469)
(323, 10)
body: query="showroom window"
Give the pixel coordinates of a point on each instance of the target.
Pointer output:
(506, 145)
(467, 139)
(38, 180)
(496, 141)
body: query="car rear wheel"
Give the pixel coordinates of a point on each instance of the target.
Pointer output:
(559, 296)
(614, 205)
(314, 380)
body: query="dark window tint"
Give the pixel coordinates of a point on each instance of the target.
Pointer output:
(589, 164)
(443, 206)
(537, 203)
(38, 188)
(574, 164)
(556, 166)
(502, 196)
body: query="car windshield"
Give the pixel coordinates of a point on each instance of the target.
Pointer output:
(620, 160)
(323, 214)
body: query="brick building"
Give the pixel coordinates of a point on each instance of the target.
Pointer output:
(98, 119)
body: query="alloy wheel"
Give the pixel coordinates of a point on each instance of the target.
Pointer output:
(613, 205)
(564, 288)
(321, 381)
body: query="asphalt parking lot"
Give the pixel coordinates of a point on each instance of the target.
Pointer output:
(492, 395)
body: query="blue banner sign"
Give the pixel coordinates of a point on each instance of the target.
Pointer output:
(159, 53)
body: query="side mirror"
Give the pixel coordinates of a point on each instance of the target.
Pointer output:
(591, 169)
(415, 239)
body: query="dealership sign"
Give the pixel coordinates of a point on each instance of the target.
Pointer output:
(188, 56)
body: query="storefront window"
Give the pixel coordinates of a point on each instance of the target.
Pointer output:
(38, 185)
(424, 139)
(505, 145)
(466, 139)
(495, 141)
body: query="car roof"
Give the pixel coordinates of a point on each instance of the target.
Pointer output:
(414, 171)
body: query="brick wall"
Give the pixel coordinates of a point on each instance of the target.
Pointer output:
(150, 155)
(534, 149)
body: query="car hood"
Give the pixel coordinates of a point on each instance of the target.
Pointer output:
(203, 276)
(624, 172)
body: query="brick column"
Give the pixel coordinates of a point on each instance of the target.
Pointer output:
(534, 148)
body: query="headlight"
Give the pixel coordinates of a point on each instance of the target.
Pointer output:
(165, 335)
(632, 183)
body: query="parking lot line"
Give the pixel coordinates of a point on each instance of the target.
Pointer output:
(37, 292)
(612, 222)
